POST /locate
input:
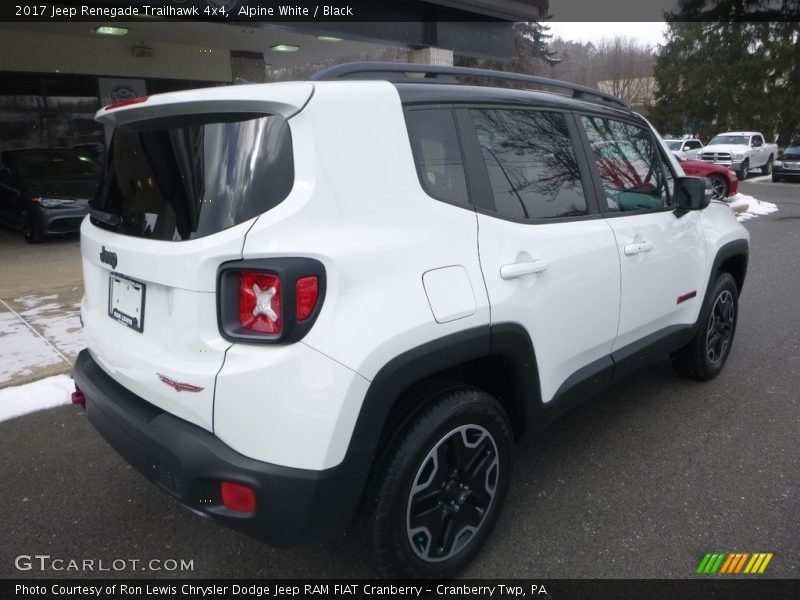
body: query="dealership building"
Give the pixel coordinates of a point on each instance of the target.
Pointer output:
(55, 75)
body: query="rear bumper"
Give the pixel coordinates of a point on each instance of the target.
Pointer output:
(293, 505)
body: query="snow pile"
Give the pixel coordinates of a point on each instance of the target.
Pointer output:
(747, 207)
(45, 393)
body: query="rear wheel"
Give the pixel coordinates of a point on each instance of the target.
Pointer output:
(719, 186)
(767, 168)
(776, 178)
(704, 356)
(442, 486)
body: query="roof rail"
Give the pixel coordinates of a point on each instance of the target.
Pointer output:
(397, 72)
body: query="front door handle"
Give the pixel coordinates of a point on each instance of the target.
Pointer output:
(519, 269)
(638, 248)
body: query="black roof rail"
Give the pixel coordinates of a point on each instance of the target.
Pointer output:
(397, 72)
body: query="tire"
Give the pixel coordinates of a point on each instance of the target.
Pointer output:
(441, 485)
(705, 355)
(719, 185)
(741, 174)
(776, 178)
(30, 230)
(767, 168)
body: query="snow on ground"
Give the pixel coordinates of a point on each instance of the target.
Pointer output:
(60, 324)
(750, 207)
(22, 350)
(45, 393)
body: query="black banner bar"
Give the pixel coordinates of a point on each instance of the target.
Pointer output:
(322, 11)
(702, 587)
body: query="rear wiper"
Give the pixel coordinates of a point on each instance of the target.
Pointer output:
(105, 217)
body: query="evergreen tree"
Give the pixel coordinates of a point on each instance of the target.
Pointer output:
(726, 66)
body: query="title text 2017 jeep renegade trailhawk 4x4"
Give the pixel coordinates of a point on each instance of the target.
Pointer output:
(310, 301)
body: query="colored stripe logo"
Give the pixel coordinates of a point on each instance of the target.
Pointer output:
(726, 563)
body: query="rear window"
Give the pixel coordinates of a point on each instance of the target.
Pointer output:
(182, 178)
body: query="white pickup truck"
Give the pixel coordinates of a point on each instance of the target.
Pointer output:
(741, 151)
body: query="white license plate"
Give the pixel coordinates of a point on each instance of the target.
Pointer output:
(126, 301)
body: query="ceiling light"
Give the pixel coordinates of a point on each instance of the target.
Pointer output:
(328, 38)
(284, 48)
(110, 30)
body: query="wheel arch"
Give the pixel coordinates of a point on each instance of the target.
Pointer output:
(498, 359)
(731, 258)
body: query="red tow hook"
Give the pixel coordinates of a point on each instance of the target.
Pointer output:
(78, 397)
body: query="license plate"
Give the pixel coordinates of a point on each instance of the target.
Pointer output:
(126, 301)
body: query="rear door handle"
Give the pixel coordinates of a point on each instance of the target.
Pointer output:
(638, 248)
(519, 269)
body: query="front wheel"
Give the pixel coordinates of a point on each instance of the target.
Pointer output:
(741, 174)
(719, 187)
(767, 168)
(442, 486)
(705, 355)
(32, 232)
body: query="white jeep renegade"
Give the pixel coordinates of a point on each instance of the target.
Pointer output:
(318, 303)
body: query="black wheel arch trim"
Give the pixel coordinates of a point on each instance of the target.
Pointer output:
(736, 248)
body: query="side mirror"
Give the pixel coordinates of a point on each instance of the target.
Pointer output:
(692, 193)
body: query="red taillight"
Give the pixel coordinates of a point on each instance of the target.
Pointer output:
(238, 497)
(307, 292)
(78, 397)
(260, 302)
(127, 102)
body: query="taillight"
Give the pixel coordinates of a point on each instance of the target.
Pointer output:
(260, 302)
(306, 293)
(237, 497)
(270, 300)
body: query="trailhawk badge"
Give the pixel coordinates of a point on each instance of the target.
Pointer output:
(178, 386)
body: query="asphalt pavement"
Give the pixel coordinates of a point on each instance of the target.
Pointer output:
(642, 481)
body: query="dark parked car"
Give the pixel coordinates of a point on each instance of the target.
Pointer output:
(46, 191)
(788, 164)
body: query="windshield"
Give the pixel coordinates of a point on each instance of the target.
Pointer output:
(733, 140)
(792, 151)
(181, 178)
(673, 144)
(54, 164)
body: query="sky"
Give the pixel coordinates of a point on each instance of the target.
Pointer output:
(647, 33)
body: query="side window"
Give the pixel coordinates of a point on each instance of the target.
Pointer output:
(632, 170)
(695, 145)
(531, 163)
(758, 140)
(437, 153)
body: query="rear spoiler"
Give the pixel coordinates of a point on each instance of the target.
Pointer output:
(285, 99)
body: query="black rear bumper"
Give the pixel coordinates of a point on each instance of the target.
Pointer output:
(293, 505)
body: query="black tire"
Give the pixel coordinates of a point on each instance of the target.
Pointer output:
(460, 437)
(741, 174)
(30, 230)
(719, 185)
(776, 178)
(767, 168)
(704, 356)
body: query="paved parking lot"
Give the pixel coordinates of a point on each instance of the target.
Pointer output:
(641, 482)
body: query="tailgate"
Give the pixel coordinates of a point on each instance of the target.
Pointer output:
(186, 176)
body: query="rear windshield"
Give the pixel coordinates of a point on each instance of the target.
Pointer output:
(182, 178)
